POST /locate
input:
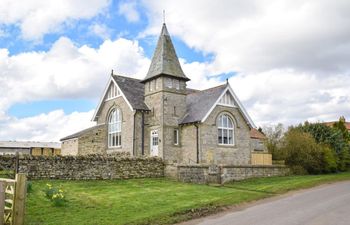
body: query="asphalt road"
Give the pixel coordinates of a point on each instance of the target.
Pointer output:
(325, 205)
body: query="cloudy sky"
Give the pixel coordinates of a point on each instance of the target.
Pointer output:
(288, 61)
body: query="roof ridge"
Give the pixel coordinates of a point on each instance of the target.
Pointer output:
(117, 75)
(208, 89)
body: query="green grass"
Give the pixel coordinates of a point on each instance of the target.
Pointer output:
(155, 201)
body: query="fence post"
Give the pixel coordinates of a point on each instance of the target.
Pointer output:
(19, 200)
(2, 201)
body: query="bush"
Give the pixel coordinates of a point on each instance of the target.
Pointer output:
(55, 195)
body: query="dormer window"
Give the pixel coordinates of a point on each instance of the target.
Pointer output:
(113, 92)
(227, 99)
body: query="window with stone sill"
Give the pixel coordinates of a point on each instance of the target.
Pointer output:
(225, 130)
(115, 128)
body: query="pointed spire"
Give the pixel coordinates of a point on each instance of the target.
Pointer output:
(164, 60)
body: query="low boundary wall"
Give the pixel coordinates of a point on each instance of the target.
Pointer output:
(220, 174)
(91, 167)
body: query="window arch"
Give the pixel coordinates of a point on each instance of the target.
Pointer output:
(115, 128)
(225, 130)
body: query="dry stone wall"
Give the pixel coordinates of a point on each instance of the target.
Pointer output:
(91, 167)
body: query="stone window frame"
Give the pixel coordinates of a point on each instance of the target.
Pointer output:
(116, 133)
(227, 128)
(176, 139)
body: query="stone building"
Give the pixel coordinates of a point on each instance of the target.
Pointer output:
(160, 116)
(30, 148)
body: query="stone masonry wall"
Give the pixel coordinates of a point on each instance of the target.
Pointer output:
(202, 174)
(212, 152)
(90, 167)
(93, 142)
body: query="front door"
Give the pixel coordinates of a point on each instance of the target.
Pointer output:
(154, 143)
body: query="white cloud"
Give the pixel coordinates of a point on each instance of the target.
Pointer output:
(289, 97)
(261, 35)
(37, 18)
(291, 56)
(100, 30)
(129, 11)
(67, 71)
(45, 127)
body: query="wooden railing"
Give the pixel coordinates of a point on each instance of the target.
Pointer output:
(261, 159)
(12, 200)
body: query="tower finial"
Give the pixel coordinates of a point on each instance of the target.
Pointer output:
(226, 80)
(163, 16)
(112, 72)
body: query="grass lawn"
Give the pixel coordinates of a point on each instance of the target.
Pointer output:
(155, 201)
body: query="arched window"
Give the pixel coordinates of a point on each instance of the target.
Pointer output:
(225, 130)
(115, 128)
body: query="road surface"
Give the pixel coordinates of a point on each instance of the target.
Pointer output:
(325, 205)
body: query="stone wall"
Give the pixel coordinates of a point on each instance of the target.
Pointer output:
(90, 167)
(93, 141)
(212, 152)
(203, 174)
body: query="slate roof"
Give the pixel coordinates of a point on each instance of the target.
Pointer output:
(78, 134)
(199, 103)
(133, 90)
(164, 60)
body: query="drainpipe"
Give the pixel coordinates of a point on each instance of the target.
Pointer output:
(134, 138)
(197, 138)
(143, 133)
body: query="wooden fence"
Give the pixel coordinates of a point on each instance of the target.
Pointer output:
(12, 200)
(261, 159)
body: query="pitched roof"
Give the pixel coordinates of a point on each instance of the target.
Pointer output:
(29, 144)
(255, 134)
(165, 60)
(133, 90)
(78, 134)
(199, 103)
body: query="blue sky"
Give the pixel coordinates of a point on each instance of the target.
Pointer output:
(55, 59)
(79, 33)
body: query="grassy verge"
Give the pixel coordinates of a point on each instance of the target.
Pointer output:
(155, 201)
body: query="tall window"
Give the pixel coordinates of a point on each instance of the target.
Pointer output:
(176, 137)
(115, 128)
(225, 130)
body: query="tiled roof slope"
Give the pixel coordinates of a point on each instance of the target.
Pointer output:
(133, 90)
(78, 134)
(199, 103)
(255, 134)
(165, 60)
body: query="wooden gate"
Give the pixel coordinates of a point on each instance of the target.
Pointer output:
(12, 200)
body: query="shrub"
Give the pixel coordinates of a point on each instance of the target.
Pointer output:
(55, 195)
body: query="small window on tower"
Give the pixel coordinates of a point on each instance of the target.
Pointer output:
(176, 136)
(176, 84)
(168, 83)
